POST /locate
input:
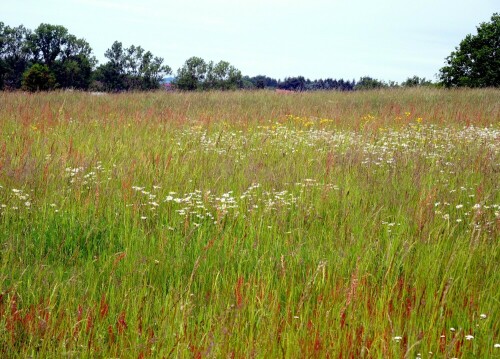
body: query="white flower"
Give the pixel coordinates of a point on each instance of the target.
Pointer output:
(469, 337)
(452, 329)
(458, 206)
(143, 217)
(483, 316)
(497, 345)
(397, 338)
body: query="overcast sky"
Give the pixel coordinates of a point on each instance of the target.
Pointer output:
(388, 40)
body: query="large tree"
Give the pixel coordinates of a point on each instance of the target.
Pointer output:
(192, 75)
(14, 55)
(222, 76)
(476, 61)
(130, 68)
(66, 56)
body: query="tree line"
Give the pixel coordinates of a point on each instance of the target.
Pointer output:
(50, 57)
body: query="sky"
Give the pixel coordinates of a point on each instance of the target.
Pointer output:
(387, 40)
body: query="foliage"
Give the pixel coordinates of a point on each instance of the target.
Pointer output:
(301, 84)
(68, 58)
(196, 74)
(14, 55)
(222, 76)
(130, 68)
(38, 78)
(416, 81)
(261, 82)
(369, 83)
(476, 61)
(293, 84)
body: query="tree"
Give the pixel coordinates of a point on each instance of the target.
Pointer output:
(38, 78)
(47, 43)
(476, 61)
(293, 84)
(192, 75)
(222, 76)
(262, 81)
(130, 68)
(368, 83)
(67, 57)
(416, 81)
(14, 55)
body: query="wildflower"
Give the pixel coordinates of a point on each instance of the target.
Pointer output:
(483, 316)
(143, 217)
(469, 337)
(497, 345)
(397, 338)
(452, 329)
(458, 206)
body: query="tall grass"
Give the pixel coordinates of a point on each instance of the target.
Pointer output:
(250, 224)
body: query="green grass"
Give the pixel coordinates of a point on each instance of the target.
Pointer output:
(250, 224)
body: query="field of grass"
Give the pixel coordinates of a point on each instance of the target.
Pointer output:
(250, 224)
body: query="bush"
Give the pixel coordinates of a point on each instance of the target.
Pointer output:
(38, 78)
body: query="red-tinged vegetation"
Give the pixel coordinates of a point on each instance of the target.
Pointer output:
(238, 292)
(121, 324)
(370, 233)
(103, 307)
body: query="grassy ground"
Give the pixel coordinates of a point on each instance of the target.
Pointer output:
(250, 224)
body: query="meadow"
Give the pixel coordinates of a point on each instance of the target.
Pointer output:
(250, 224)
